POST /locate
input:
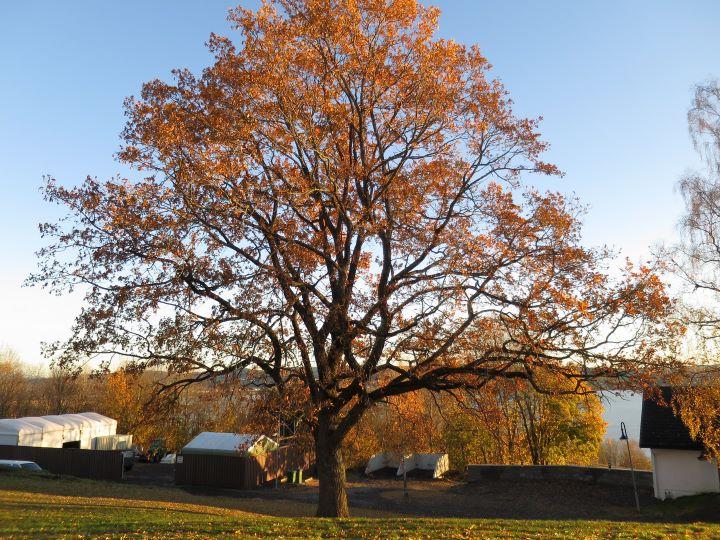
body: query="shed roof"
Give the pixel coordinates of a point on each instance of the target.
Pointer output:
(221, 443)
(660, 428)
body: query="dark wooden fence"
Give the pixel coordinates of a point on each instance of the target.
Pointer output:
(95, 464)
(240, 472)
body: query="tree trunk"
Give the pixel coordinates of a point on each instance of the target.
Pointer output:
(331, 471)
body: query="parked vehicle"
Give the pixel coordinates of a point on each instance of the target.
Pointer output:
(14, 464)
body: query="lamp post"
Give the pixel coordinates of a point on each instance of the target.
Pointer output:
(624, 437)
(404, 467)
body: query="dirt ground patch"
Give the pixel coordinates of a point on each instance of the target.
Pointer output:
(455, 498)
(501, 499)
(567, 500)
(153, 474)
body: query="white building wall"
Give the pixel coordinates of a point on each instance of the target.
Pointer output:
(678, 473)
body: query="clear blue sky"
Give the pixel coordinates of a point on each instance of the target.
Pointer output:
(613, 80)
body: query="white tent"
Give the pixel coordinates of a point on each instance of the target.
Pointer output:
(229, 444)
(382, 461)
(56, 430)
(111, 442)
(87, 428)
(102, 425)
(52, 432)
(435, 464)
(15, 432)
(72, 427)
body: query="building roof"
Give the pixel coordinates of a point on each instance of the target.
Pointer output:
(660, 428)
(223, 443)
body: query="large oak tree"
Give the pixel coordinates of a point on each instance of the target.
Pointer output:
(336, 204)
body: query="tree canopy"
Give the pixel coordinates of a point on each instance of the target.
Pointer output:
(338, 202)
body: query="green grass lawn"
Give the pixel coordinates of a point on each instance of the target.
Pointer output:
(52, 507)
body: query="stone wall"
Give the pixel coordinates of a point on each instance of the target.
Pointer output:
(591, 475)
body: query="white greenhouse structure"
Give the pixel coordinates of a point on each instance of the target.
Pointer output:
(57, 431)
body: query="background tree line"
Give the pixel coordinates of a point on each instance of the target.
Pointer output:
(125, 396)
(505, 423)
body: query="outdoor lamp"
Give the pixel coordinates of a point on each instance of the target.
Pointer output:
(624, 437)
